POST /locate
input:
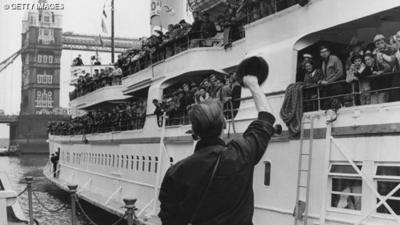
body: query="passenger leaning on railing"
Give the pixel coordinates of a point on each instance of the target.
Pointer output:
(358, 72)
(122, 117)
(386, 59)
(376, 84)
(332, 69)
(396, 79)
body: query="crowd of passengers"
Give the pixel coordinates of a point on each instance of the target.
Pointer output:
(127, 116)
(87, 82)
(362, 69)
(177, 102)
(203, 32)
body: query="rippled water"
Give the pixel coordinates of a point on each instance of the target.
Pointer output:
(49, 194)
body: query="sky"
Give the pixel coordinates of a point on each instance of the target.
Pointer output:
(132, 19)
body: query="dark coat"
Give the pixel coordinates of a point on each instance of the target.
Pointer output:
(208, 29)
(229, 199)
(195, 29)
(315, 78)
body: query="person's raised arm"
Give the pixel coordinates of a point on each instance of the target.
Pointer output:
(251, 82)
(259, 132)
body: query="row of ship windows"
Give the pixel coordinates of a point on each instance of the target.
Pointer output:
(143, 163)
(346, 187)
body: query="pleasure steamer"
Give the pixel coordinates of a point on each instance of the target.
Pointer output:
(348, 154)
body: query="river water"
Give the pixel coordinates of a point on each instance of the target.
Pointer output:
(49, 194)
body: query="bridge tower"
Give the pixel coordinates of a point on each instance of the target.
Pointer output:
(41, 53)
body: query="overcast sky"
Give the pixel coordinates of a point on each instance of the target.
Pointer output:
(79, 16)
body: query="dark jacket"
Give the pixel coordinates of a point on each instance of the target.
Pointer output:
(314, 77)
(195, 29)
(208, 29)
(332, 69)
(377, 82)
(229, 200)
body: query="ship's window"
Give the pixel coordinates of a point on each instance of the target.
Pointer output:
(122, 161)
(143, 162)
(267, 173)
(39, 58)
(113, 160)
(137, 162)
(156, 164)
(50, 59)
(109, 160)
(117, 161)
(346, 186)
(149, 164)
(127, 162)
(45, 59)
(102, 159)
(388, 179)
(132, 161)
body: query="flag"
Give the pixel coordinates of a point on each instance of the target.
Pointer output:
(104, 26)
(104, 18)
(104, 12)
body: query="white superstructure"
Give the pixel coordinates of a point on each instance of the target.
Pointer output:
(351, 156)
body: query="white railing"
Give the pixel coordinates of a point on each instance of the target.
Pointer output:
(7, 198)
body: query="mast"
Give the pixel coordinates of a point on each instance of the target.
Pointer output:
(112, 32)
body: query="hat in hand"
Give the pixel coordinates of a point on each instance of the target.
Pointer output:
(255, 66)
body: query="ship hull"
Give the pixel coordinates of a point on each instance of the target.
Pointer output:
(113, 166)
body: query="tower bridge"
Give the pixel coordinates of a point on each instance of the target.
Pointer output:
(42, 51)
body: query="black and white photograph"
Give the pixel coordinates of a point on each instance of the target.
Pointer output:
(199, 112)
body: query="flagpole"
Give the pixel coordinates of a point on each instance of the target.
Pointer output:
(112, 32)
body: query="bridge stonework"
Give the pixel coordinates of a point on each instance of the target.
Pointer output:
(40, 97)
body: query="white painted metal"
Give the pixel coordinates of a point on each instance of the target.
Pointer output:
(160, 157)
(275, 202)
(366, 179)
(3, 210)
(324, 186)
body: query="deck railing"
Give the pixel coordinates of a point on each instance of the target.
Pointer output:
(320, 97)
(109, 126)
(167, 50)
(93, 85)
